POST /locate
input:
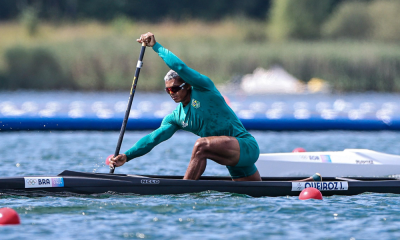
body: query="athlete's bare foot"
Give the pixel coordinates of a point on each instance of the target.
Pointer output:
(316, 177)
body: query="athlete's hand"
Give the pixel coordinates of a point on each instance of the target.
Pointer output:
(148, 39)
(118, 161)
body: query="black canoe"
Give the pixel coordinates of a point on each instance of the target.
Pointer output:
(94, 183)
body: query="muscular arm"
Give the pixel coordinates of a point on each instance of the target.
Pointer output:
(148, 142)
(189, 75)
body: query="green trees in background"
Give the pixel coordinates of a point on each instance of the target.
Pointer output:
(350, 20)
(149, 11)
(330, 19)
(351, 66)
(284, 19)
(29, 18)
(103, 62)
(385, 20)
(298, 19)
(34, 68)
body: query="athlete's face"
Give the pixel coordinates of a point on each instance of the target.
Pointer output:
(178, 94)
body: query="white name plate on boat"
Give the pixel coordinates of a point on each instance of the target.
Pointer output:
(43, 182)
(322, 186)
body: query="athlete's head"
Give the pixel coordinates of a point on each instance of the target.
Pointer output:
(178, 89)
(171, 74)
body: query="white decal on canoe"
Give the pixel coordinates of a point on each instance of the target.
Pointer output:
(149, 181)
(364, 162)
(314, 158)
(43, 182)
(322, 186)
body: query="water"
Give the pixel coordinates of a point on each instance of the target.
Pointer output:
(207, 215)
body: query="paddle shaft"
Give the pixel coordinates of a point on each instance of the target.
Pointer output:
(128, 108)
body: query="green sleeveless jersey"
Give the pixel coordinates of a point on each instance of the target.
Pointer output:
(206, 115)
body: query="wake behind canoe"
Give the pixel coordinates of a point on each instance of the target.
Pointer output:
(95, 183)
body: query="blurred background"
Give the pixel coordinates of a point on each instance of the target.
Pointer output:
(286, 66)
(292, 46)
(317, 60)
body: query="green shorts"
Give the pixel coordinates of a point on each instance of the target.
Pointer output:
(249, 153)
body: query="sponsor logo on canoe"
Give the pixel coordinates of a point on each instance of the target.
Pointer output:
(326, 159)
(195, 103)
(314, 158)
(43, 182)
(150, 181)
(364, 162)
(322, 186)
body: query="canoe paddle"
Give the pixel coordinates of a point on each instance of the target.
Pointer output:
(128, 108)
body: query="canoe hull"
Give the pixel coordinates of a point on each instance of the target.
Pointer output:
(89, 183)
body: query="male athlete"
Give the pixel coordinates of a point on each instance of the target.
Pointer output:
(204, 112)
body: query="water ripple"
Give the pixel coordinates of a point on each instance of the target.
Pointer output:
(205, 215)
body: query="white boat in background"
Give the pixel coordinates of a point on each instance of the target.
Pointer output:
(347, 163)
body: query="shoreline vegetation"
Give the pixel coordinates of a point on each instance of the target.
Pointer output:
(96, 56)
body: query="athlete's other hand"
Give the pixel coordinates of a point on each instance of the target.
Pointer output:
(148, 39)
(118, 161)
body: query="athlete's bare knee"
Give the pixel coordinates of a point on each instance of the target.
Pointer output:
(200, 147)
(202, 143)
